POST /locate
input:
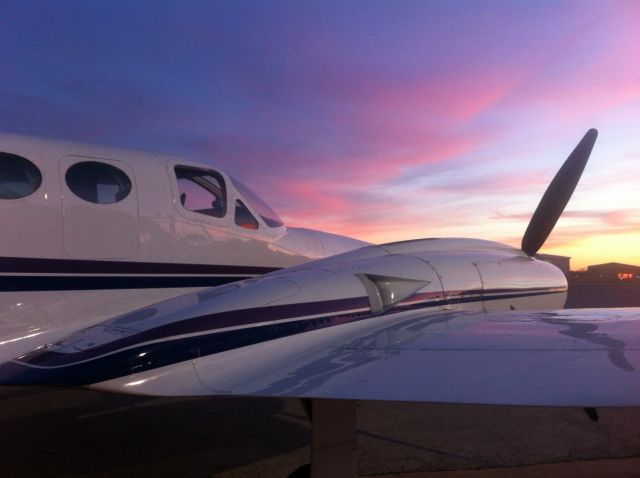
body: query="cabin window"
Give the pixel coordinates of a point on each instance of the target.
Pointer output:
(19, 177)
(99, 183)
(244, 218)
(267, 214)
(201, 191)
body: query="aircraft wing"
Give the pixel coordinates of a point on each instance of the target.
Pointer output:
(587, 357)
(582, 357)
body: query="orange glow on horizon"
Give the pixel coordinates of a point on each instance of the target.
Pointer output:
(584, 251)
(600, 249)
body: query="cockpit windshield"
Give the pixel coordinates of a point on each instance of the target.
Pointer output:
(267, 214)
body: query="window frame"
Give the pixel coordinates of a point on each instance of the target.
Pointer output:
(206, 185)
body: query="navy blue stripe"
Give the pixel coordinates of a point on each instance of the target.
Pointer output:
(203, 323)
(544, 290)
(27, 265)
(161, 354)
(537, 292)
(151, 356)
(43, 283)
(234, 318)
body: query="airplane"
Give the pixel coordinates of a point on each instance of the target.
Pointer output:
(92, 232)
(431, 320)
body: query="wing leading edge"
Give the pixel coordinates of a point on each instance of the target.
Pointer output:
(585, 358)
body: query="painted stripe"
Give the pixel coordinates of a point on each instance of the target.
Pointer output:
(26, 283)
(205, 323)
(135, 354)
(143, 358)
(236, 319)
(210, 333)
(37, 274)
(75, 266)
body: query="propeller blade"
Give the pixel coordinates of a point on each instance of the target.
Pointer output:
(557, 195)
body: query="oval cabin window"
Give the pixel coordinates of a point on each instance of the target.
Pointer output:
(99, 183)
(19, 177)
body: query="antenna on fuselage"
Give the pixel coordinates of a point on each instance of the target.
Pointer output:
(557, 195)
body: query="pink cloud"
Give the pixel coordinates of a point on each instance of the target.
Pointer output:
(583, 80)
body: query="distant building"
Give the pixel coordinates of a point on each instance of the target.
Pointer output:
(611, 271)
(561, 262)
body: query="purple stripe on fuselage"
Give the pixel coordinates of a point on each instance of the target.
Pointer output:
(333, 309)
(27, 265)
(45, 367)
(203, 323)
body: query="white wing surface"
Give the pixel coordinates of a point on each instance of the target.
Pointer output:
(586, 357)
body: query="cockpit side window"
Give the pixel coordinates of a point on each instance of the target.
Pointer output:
(243, 217)
(267, 214)
(202, 191)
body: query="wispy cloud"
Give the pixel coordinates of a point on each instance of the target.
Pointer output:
(379, 120)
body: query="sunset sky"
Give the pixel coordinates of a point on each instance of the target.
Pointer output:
(380, 120)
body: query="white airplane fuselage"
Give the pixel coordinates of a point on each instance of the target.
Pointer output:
(90, 232)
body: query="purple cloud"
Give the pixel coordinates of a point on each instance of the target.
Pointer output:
(376, 119)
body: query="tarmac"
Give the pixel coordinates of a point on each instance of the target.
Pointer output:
(47, 432)
(75, 433)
